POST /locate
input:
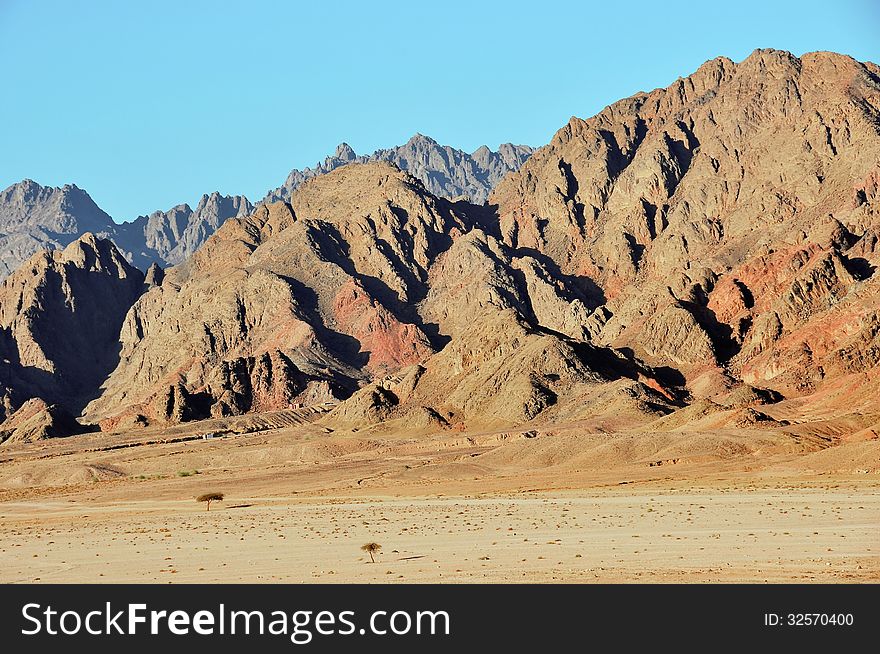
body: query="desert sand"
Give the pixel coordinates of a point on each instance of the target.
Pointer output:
(492, 507)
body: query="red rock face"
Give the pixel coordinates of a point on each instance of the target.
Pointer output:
(387, 343)
(731, 300)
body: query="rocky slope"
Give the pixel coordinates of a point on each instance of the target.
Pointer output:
(36, 420)
(728, 223)
(364, 276)
(60, 315)
(445, 171)
(293, 304)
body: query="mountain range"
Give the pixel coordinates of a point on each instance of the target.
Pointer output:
(33, 217)
(445, 171)
(699, 255)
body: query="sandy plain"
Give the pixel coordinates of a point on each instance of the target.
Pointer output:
(560, 505)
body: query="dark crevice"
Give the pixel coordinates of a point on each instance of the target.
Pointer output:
(636, 249)
(748, 298)
(580, 287)
(859, 267)
(333, 248)
(650, 211)
(572, 194)
(721, 334)
(617, 160)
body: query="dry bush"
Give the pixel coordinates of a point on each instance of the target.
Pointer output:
(371, 548)
(210, 497)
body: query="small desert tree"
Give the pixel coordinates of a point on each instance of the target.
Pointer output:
(210, 497)
(371, 548)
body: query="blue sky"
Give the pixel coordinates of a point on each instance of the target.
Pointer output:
(150, 104)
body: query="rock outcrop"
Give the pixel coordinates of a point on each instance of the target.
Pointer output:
(36, 420)
(60, 315)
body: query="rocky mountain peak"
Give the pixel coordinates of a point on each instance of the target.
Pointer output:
(155, 276)
(483, 151)
(420, 140)
(445, 171)
(344, 152)
(34, 217)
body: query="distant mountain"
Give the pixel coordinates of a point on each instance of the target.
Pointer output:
(445, 171)
(169, 237)
(35, 217)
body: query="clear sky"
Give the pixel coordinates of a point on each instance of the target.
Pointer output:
(150, 104)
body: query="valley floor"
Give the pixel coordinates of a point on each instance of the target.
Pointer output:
(451, 508)
(650, 536)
